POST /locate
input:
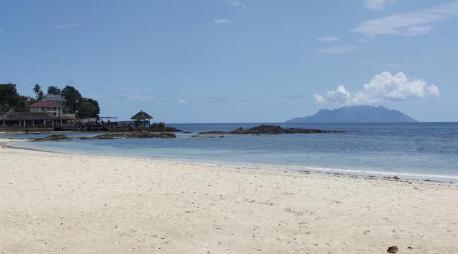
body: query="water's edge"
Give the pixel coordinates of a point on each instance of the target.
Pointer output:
(277, 168)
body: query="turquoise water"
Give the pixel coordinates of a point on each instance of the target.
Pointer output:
(417, 148)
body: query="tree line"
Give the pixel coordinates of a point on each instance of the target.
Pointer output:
(75, 102)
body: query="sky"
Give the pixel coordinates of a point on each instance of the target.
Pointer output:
(237, 60)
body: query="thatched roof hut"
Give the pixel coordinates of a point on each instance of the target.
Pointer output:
(141, 117)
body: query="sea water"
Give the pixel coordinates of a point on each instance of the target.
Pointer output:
(413, 148)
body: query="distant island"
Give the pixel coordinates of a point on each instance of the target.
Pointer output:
(356, 114)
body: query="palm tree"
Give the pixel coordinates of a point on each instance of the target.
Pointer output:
(38, 92)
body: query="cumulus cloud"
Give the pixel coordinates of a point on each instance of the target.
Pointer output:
(377, 4)
(221, 21)
(384, 87)
(319, 99)
(408, 24)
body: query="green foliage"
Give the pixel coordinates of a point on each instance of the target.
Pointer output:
(54, 90)
(76, 103)
(73, 98)
(83, 107)
(38, 92)
(10, 99)
(88, 108)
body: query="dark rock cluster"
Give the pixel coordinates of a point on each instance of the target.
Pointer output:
(54, 137)
(111, 135)
(161, 127)
(269, 129)
(133, 135)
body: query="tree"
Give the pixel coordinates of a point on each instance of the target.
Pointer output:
(54, 90)
(23, 104)
(72, 97)
(88, 108)
(10, 99)
(38, 92)
(8, 96)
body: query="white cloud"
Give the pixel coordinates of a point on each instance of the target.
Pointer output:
(68, 26)
(319, 99)
(221, 21)
(384, 87)
(235, 3)
(327, 39)
(339, 50)
(182, 101)
(377, 4)
(408, 24)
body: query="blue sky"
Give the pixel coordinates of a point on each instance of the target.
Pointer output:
(237, 61)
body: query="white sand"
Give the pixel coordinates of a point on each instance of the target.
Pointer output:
(54, 203)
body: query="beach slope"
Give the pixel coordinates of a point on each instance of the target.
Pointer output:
(56, 203)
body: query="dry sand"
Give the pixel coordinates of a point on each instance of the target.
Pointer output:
(55, 203)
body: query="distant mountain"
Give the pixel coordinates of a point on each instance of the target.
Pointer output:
(356, 114)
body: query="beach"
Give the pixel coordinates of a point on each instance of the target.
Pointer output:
(66, 203)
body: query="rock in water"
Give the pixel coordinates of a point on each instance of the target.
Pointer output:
(53, 137)
(132, 134)
(392, 249)
(269, 129)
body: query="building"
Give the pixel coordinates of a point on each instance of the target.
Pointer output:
(50, 112)
(141, 118)
(54, 105)
(19, 120)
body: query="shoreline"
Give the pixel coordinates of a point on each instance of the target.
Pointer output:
(72, 203)
(280, 168)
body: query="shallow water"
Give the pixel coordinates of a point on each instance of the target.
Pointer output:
(417, 148)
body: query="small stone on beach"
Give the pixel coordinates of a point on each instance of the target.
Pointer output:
(392, 249)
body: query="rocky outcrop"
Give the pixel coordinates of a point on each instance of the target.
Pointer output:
(155, 127)
(268, 129)
(119, 135)
(110, 135)
(54, 137)
(161, 127)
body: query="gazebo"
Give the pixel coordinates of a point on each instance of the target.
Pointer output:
(142, 118)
